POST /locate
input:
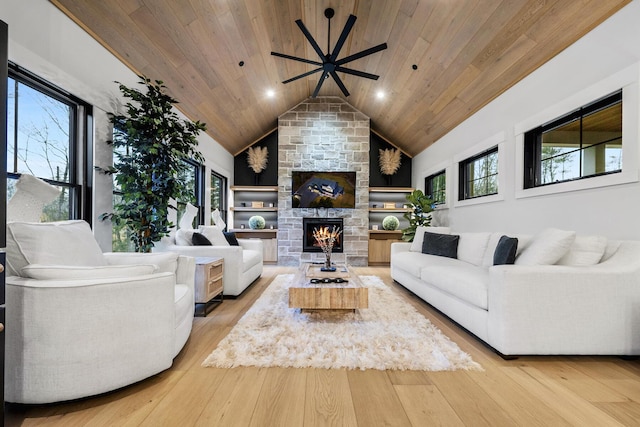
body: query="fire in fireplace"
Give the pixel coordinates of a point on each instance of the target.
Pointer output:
(308, 224)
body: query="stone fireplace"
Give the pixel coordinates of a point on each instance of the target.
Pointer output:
(323, 134)
(309, 243)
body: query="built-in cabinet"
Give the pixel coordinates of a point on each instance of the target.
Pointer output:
(249, 201)
(383, 202)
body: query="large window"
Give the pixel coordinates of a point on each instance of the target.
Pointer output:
(584, 143)
(435, 187)
(479, 175)
(191, 176)
(219, 194)
(46, 131)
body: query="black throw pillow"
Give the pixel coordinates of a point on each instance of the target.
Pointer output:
(199, 240)
(505, 252)
(440, 244)
(231, 238)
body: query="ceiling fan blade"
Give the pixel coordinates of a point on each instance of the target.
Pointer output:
(322, 79)
(295, 58)
(357, 73)
(313, 43)
(343, 37)
(308, 73)
(362, 54)
(339, 83)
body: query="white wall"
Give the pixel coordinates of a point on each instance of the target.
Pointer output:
(44, 41)
(604, 60)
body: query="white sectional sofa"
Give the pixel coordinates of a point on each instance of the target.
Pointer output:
(243, 264)
(566, 294)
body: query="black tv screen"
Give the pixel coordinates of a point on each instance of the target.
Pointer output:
(323, 189)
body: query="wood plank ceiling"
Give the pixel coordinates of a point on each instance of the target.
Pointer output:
(467, 52)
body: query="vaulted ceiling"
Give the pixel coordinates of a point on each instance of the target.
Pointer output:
(445, 58)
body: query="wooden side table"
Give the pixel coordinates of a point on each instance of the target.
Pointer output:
(208, 284)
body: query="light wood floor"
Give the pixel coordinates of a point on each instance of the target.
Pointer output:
(530, 391)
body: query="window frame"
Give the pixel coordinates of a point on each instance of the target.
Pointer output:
(464, 179)
(532, 158)
(224, 195)
(428, 186)
(80, 162)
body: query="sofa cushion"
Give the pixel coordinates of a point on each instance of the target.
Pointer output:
(465, 281)
(65, 272)
(472, 246)
(505, 252)
(167, 262)
(445, 245)
(585, 250)
(547, 247)
(250, 258)
(214, 234)
(416, 245)
(198, 239)
(51, 243)
(412, 262)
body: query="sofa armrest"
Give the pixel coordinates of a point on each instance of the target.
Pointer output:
(553, 309)
(397, 247)
(251, 244)
(186, 272)
(59, 331)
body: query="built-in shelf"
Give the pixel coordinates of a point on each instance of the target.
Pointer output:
(250, 209)
(258, 188)
(257, 194)
(380, 240)
(398, 210)
(390, 190)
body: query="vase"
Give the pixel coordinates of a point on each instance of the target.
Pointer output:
(327, 261)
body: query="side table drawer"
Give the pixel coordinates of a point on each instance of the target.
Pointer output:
(214, 287)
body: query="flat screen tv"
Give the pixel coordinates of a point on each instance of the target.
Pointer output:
(323, 189)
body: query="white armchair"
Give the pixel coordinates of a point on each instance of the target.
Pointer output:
(80, 322)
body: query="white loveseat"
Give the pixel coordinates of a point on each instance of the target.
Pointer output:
(80, 322)
(585, 302)
(243, 263)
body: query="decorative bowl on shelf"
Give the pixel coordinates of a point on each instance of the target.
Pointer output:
(256, 222)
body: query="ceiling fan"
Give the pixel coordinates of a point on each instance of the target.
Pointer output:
(330, 64)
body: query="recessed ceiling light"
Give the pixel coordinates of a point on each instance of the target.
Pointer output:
(271, 93)
(380, 94)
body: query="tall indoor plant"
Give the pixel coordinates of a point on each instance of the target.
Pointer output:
(421, 206)
(150, 144)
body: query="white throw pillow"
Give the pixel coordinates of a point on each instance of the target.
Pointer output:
(472, 247)
(184, 236)
(189, 214)
(214, 234)
(416, 245)
(65, 272)
(51, 243)
(547, 247)
(586, 250)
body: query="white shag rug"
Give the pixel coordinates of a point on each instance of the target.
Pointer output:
(390, 334)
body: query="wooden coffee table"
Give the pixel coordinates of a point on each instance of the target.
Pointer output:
(327, 294)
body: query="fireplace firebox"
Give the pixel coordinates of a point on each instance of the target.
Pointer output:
(308, 224)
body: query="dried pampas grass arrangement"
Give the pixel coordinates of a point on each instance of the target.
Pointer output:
(257, 158)
(389, 161)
